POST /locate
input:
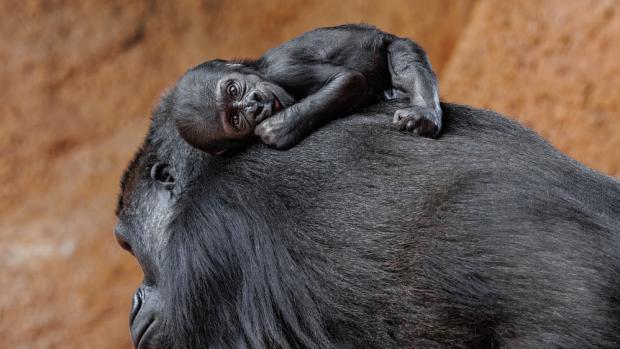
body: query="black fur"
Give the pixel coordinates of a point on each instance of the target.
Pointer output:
(363, 237)
(294, 88)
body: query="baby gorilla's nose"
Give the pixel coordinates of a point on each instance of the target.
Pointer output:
(254, 105)
(255, 97)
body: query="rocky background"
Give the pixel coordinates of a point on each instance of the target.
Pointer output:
(78, 80)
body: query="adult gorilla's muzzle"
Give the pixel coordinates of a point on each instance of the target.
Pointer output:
(143, 319)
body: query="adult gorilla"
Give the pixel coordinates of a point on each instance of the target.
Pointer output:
(363, 237)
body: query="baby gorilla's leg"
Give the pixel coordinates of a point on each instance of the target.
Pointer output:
(411, 72)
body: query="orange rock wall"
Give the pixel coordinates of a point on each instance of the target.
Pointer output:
(554, 65)
(79, 79)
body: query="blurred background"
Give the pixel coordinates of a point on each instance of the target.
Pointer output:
(78, 80)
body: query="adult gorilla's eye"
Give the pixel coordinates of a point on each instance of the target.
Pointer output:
(160, 172)
(235, 120)
(233, 90)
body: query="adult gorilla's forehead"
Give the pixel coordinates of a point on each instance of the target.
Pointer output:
(167, 144)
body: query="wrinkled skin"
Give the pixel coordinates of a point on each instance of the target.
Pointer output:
(295, 88)
(363, 237)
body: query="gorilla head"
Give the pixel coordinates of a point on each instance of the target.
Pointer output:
(201, 228)
(217, 104)
(364, 237)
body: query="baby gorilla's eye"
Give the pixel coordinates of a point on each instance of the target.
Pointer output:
(233, 90)
(235, 120)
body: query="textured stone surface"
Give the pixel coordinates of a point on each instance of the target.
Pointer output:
(553, 65)
(78, 81)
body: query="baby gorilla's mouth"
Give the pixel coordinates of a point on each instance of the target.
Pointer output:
(277, 106)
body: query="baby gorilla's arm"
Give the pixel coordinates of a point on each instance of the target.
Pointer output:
(344, 90)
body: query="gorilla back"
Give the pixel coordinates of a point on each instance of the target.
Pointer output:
(364, 237)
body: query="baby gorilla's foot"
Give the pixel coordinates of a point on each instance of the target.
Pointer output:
(423, 121)
(278, 132)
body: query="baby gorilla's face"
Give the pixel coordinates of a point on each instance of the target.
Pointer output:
(244, 100)
(218, 110)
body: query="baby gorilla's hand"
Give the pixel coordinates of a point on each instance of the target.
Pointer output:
(278, 131)
(426, 122)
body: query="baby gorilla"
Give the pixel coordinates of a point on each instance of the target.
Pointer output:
(294, 88)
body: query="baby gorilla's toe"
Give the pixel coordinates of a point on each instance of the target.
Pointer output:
(420, 120)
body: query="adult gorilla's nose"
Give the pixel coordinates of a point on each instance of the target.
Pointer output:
(136, 304)
(122, 240)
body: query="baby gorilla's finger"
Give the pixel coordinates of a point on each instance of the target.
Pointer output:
(399, 115)
(410, 125)
(399, 121)
(400, 125)
(262, 131)
(426, 128)
(405, 120)
(277, 132)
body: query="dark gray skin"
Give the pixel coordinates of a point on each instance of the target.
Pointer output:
(295, 88)
(362, 237)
